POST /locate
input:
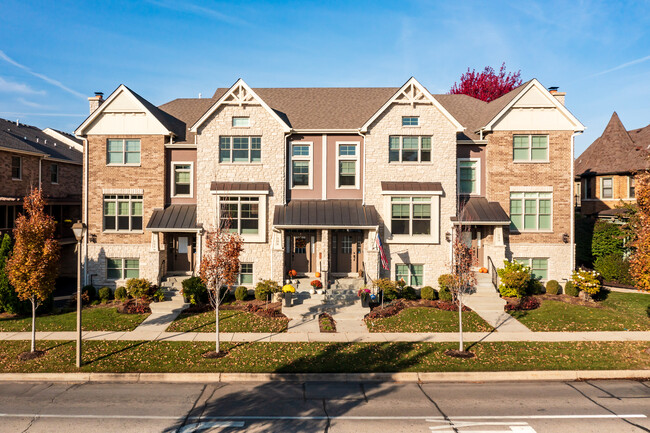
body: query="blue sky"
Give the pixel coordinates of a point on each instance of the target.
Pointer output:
(54, 54)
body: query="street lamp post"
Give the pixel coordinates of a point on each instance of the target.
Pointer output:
(79, 230)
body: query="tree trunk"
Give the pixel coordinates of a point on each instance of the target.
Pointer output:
(460, 320)
(217, 324)
(33, 348)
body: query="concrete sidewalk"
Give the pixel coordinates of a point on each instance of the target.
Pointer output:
(338, 337)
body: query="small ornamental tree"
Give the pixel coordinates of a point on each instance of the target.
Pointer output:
(487, 85)
(220, 267)
(463, 280)
(640, 260)
(33, 265)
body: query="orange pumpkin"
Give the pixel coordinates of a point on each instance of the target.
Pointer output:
(483, 270)
(317, 274)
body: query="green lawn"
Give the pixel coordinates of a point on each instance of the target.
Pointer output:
(422, 319)
(620, 312)
(159, 356)
(93, 319)
(229, 321)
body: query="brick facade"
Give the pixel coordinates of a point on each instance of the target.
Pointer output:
(620, 194)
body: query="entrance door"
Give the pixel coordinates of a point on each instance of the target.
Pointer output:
(347, 249)
(300, 251)
(473, 239)
(181, 250)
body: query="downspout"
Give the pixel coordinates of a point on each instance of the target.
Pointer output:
(40, 171)
(571, 205)
(85, 208)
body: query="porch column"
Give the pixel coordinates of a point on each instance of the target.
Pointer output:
(324, 256)
(199, 251)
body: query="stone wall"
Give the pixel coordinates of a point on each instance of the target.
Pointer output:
(150, 262)
(559, 263)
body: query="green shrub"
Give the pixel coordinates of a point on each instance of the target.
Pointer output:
(535, 287)
(105, 294)
(607, 239)
(586, 281)
(265, 288)
(552, 287)
(90, 291)
(390, 289)
(570, 289)
(428, 293)
(408, 293)
(614, 267)
(194, 291)
(241, 293)
(95, 302)
(444, 294)
(446, 281)
(138, 288)
(515, 278)
(120, 293)
(158, 296)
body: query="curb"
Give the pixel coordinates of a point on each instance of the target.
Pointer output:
(483, 376)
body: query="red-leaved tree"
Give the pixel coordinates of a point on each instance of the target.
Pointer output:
(640, 260)
(487, 85)
(33, 265)
(220, 267)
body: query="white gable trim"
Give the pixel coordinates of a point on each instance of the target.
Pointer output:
(81, 130)
(246, 98)
(577, 126)
(414, 100)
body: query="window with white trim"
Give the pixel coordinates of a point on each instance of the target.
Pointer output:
(413, 275)
(607, 187)
(409, 148)
(468, 176)
(410, 121)
(538, 266)
(301, 165)
(530, 148)
(54, 173)
(122, 213)
(239, 149)
(410, 215)
(530, 211)
(182, 179)
(241, 122)
(245, 276)
(347, 165)
(123, 151)
(16, 168)
(240, 214)
(631, 184)
(119, 269)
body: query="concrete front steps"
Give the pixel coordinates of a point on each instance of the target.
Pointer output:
(164, 313)
(487, 303)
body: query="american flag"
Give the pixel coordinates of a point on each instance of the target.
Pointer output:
(382, 255)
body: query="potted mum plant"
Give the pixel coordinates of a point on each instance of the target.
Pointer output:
(288, 290)
(364, 294)
(316, 286)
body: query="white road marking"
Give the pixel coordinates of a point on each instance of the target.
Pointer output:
(191, 428)
(461, 424)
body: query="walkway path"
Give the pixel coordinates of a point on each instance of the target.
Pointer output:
(163, 313)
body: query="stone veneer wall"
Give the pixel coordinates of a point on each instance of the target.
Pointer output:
(150, 262)
(442, 168)
(267, 263)
(559, 264)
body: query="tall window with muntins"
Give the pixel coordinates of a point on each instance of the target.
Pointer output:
(467, 177)
(123, 212)
(16, 167)
(631, 183)
(410, 121)
(123, 151)
(346, 244)
(411, 215)
(409, 149)
(300, 165)
(530, 211)
(182, 180)
(538, 266)
(246, 274)
(607, 190)
(118, 269)
(240, 214)
(530, 148)
(347, 165)
(240, 149)
(413, 275)
(54, 173)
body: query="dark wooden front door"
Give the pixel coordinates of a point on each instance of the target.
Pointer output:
(181, 252)
(347, 251)
(300, 252)
(473, 239)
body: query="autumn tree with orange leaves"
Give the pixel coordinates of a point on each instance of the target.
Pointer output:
(33, 265)
(220, 267)
(640, 260)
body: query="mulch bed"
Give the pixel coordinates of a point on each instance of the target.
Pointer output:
(131, 307)
(395, 307)
(260, 308)
(214, 355)
(569, 300)
(325, 319)
(27, 356)
(463, 354)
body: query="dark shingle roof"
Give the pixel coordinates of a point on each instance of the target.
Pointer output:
(29, 138)
(170, 122)
(325, 213)
(615, 151)
(188, 111)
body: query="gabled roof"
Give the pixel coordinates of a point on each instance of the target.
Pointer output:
(30, 139)
(188, 111)
(615, 151)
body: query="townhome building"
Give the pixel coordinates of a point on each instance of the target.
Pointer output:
(315, 179)
(52, 161)
(605, 170)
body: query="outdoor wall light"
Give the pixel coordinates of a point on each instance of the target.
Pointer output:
(565, 238)
(448, 236)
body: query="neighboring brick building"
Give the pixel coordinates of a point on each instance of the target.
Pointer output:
(605, 170)
(311, 176)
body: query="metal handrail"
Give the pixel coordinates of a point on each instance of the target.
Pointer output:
(493, 272)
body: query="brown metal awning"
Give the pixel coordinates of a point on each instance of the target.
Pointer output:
(417, 187)
(479, 211)
(174, 218)
(303, 214)
(230, 187)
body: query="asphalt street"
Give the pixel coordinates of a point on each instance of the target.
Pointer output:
(594, 406)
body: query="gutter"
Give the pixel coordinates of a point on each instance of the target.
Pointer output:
(571, 204)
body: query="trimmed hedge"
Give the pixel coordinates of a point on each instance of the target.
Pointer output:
(240, 293)
(428, 293)
(570, 289)
(552, 287)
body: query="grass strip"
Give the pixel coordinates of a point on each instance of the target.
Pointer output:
(92, 319)
(229, 321)
(422, 319)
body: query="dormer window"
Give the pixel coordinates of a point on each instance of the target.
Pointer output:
(410, 121)
(241, 122)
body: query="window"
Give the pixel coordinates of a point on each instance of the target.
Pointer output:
(530, 211)
(240, 214)
(631, 183)
(588, 188)
(538, 266)
(409, 149)
(16, 167)
(118, 269)
(240, 149)
(54, 173)
(413, 275)
(8, 215)
(347, 158)
(468, 176)
(123, 212)
(530, 148)
(245, 274)
(182, 185)
(122, 151)
(607, 187)
(241, 122)
(411, 215)
(410, 121)
(301, 165)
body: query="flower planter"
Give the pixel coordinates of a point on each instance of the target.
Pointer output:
(276, 297)
(287, 299)
(365, 301)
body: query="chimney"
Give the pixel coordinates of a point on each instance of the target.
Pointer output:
(558, 95)
(96, 101)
